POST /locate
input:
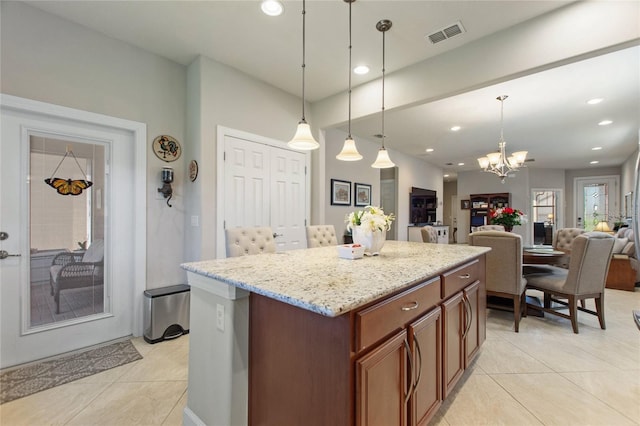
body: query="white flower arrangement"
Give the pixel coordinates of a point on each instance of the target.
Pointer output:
(370, 219)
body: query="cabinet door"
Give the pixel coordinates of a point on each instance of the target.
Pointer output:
(426, 345)
(382, 384)
(453, 326)
(472, 337)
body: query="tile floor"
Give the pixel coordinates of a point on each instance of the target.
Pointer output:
(544, 375)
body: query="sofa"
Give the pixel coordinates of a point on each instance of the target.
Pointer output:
(624, 270)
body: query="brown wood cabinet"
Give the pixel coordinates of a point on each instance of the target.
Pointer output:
(386, 363)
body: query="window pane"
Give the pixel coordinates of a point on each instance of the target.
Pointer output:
(66, 230)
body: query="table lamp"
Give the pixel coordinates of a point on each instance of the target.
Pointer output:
(602, 226)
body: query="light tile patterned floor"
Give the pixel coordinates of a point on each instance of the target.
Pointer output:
(544, 375)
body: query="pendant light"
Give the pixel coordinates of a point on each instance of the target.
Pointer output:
(349, 150)
(303, 139)
(383, 161)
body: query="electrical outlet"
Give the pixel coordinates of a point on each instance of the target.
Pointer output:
(220, 317)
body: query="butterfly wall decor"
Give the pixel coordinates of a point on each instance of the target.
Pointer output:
(68, 186)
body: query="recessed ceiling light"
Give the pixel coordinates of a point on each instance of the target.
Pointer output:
(594, 162)
(446, 175)
(605, 123)
(596, 148)
(460, 164)
(595, 101)
(271, 7)
(455, 128)
(429, 149)
(361, 69)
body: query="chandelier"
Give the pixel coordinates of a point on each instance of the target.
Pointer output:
(498, 162)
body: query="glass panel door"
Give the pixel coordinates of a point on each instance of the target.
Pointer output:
(66, 230)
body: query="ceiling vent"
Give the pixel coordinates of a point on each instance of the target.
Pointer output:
(445, 33)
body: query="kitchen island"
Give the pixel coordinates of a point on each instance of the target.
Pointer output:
(304, 337)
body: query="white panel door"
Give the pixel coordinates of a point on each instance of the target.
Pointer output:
(107, 312)
(265, 185)
(288, 194)
(246, 183)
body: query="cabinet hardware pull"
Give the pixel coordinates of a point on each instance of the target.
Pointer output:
(415, 340)
(412, 307)
(464, 277)
(409, 357)
(468, 316)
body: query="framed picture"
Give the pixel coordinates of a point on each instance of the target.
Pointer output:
(465, 204)
(340, 192)
(362, 194)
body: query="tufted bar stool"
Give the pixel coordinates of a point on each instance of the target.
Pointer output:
(245, 241)
(429, 234)
(321, 236)
(562, 240)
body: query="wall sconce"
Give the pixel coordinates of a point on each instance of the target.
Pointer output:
(167, 178)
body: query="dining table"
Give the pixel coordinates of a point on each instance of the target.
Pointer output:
(543, 256)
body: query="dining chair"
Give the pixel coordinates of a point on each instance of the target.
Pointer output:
(490, 228)
(245, 241)
(585, 279)
(429, 234)
(563, 239)
(503, 267)
(321, 236)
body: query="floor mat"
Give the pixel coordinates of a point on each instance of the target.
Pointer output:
(23, 381)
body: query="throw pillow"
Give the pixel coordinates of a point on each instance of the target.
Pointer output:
(619, 244)
(629, 249)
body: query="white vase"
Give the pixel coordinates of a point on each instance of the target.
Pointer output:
(372, 241)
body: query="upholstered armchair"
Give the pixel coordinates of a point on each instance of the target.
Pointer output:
(504, 267)
(429, 234)
(490, 228)
(76, 270)
(245, 241)
(321, 236)
(585, 279)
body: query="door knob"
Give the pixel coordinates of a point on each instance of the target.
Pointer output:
(4, 254)
(276, 235)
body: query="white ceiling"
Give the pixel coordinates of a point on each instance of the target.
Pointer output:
(545, 114)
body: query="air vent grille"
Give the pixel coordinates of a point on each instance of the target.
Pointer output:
(446, 32)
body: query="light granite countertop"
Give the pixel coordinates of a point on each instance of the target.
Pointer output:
(318, 280)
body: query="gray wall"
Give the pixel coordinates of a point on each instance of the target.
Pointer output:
(224, 96)
(49, 59)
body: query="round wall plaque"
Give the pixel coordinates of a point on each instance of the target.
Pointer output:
(193, 170)
(167, 148)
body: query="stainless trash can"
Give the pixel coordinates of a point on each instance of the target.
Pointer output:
(166, 312)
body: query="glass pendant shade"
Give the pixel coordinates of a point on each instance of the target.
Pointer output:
(383, 161)
(349, 151)
(484, 162)
(303, 139)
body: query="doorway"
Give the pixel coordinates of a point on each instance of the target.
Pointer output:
(597, 199)
(76, 213)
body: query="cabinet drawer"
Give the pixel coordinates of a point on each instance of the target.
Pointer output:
(457, 279)
(379, 320)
